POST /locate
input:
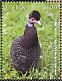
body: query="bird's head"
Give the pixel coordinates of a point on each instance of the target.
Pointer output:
(34, 17)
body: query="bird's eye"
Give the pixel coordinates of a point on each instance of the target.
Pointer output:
(32, 19)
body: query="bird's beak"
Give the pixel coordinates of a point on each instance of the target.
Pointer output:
(38, 22)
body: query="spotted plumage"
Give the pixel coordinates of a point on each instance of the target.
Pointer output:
(25, 50)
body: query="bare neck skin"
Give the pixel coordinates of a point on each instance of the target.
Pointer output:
(30, 24)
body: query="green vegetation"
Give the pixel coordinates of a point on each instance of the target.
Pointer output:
(15, 17)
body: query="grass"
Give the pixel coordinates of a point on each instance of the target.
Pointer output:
(15, 17)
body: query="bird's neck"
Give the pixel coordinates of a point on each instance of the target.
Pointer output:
(30, 24)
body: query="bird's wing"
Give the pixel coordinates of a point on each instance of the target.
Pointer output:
(22, 58)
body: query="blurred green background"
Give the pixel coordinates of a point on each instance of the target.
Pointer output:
(15, 17)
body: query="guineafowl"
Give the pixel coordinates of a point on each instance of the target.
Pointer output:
(25, 50)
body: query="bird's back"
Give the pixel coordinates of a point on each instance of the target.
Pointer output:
(25, 50)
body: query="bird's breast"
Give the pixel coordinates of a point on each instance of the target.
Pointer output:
(29, 39)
